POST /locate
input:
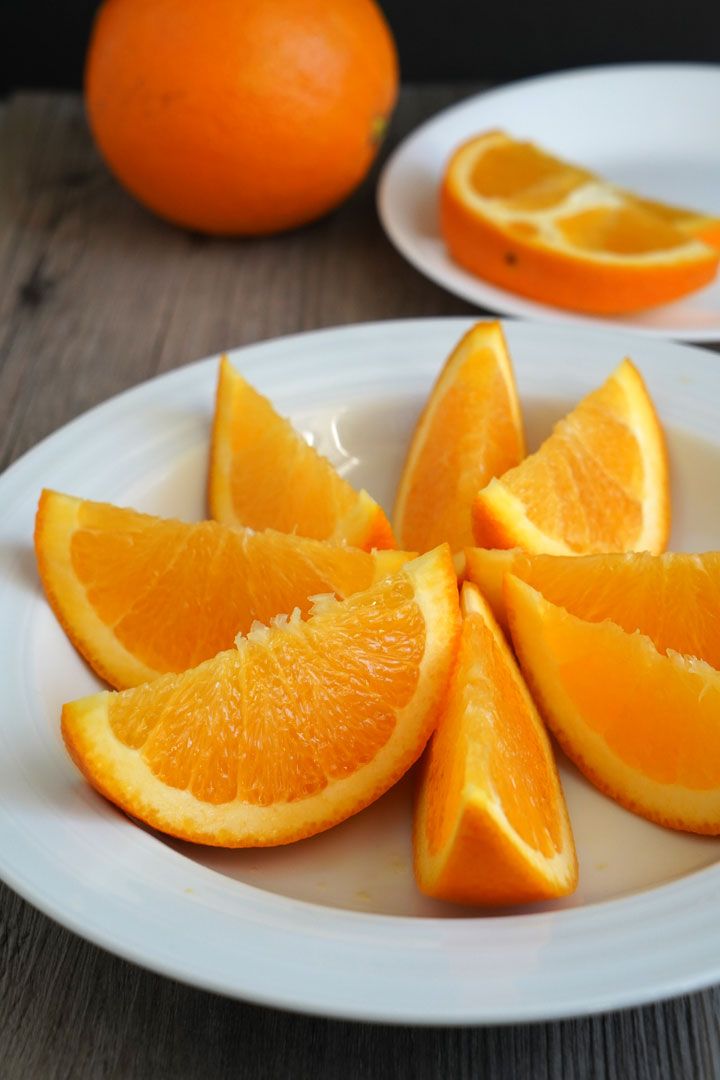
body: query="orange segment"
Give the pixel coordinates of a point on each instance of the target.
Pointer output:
(515, 215)
(491, 825)
(642, 726)
(689, 222)
(264, 475)
(599, 483)
(674, 598)
(300, 726)
(139, 595)
(470, 430)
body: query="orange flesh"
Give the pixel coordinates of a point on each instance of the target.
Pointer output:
(593, 452)
(265, 448)
(176, 595)
(625, 230)
(473, 434)
(689, 222)
(673, 598)
(264, 475)
(598, 483)
(488, 739)
(527, 180)
(526, 176)
(658, 714)
(641, 724)
(288, 690)
(444, 511)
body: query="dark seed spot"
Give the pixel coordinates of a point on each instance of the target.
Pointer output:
(511, 258)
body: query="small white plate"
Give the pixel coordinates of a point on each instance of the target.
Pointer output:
(335, 925)
(652, 128)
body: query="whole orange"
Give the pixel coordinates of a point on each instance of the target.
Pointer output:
(240, 116)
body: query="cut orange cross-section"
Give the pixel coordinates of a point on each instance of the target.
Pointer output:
(642, 725)
(300, 726)
(515, 215)
(491, 825)
(674, 598)
(470, 430)
(598, 483)
(264, 475)
(141, 595)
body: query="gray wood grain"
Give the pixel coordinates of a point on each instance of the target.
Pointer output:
(96, 296)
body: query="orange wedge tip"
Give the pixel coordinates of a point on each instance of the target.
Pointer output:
(263, 474)
(642, 725)
(301, 725)
(140, 596)
(470, 430)
(491, 825)
(599, 483)
(526, 221)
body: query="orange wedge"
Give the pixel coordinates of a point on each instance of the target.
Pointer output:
(674, 598)
(643, 726)
(491, 825)
(599, 483)
(300, 726)
(470, 430)
(264, 475)
(140, 595)
(524, 220)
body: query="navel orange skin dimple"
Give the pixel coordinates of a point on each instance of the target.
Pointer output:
(240, 116)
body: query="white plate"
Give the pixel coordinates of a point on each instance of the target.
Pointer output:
(652, 128)
(334, 925)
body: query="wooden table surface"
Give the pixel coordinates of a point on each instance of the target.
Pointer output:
(96, 296)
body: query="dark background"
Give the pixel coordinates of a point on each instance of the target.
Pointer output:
(42, 42)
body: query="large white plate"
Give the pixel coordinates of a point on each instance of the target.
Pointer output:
(334, 925)
(650, 127)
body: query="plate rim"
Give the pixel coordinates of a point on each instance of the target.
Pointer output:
(501, 301)
(195, 373)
